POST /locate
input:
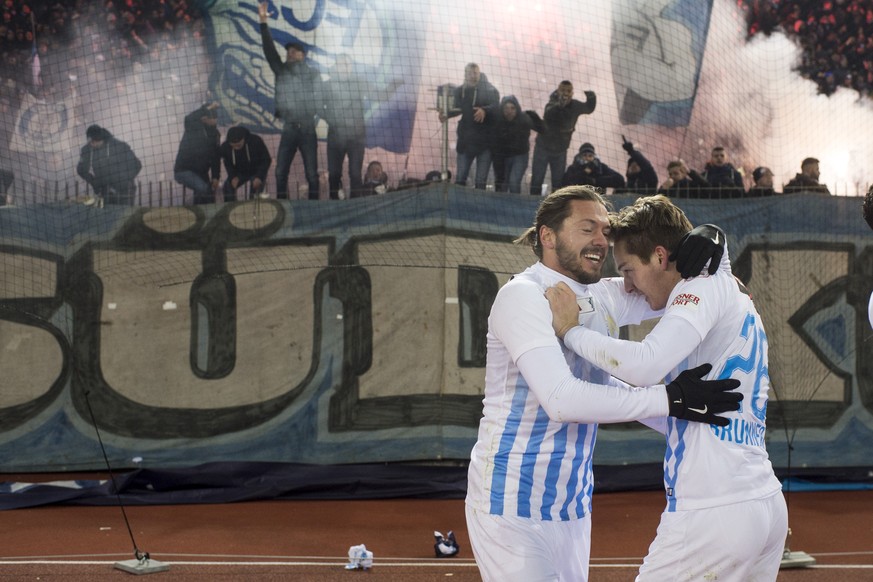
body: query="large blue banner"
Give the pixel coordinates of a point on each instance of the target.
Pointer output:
(353, 332)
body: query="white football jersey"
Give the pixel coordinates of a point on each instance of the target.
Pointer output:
(708, 465)
(525, 464)
(704, 465)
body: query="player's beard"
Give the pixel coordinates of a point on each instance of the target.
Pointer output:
(572, 263)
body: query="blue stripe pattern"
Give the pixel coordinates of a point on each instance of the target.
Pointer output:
(678, 427)
(529, 461)
(501, 459)
(587, 486)
(553, 472)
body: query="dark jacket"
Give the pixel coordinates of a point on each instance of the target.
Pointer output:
(345, 106)
(298, 86)
(198, 150)
(252, 161)
(643, 182)
(694, 186)
(473, 137)
(511, 138)
(593, 173)
(725, 180)
(113, 165)
(803, 183)
(555, 129)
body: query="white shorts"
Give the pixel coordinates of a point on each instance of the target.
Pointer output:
(510, 549)
(743, 542)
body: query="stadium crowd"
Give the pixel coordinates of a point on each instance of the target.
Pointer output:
(836, 38)
(142, 29)
(832, 34)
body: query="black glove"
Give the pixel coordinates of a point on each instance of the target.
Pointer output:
(702, 400)
(704, 243)
(628, 147)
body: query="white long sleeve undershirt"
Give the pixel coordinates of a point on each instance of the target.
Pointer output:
(637, 363)
(566, 398)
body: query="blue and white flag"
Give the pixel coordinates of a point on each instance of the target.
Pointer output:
(386, 47)
(44, 126)
(657, 51)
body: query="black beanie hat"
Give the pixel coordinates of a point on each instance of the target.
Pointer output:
(236, 133)
(96, 132)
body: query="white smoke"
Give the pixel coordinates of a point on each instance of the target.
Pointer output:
(752, 102)
(748, 99)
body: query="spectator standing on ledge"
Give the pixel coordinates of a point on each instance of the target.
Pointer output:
(246, 160)
(298, 102)
(763, 186)
(109, 166)
(474, 100)
(723, 178)
(555, 130)
(344, 94)
(197, 163)
(511, 146)
(806, 180)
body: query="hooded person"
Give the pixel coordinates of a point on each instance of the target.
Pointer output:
(198, 166)
(109, 166)
(510, 147)
(246, 160)
(588, 170)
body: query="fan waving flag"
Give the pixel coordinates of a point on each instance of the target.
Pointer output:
(384, 41)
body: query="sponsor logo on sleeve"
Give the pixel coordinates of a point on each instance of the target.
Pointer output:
(686, 300)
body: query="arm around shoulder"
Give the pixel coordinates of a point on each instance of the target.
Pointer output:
(566, 398)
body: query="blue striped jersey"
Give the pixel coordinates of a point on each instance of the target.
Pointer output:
(523, 463)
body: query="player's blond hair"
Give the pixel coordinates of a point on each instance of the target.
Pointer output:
(649, 222)
(554, 209)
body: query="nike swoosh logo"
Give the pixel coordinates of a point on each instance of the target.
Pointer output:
(716, 237)
(699, 410)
